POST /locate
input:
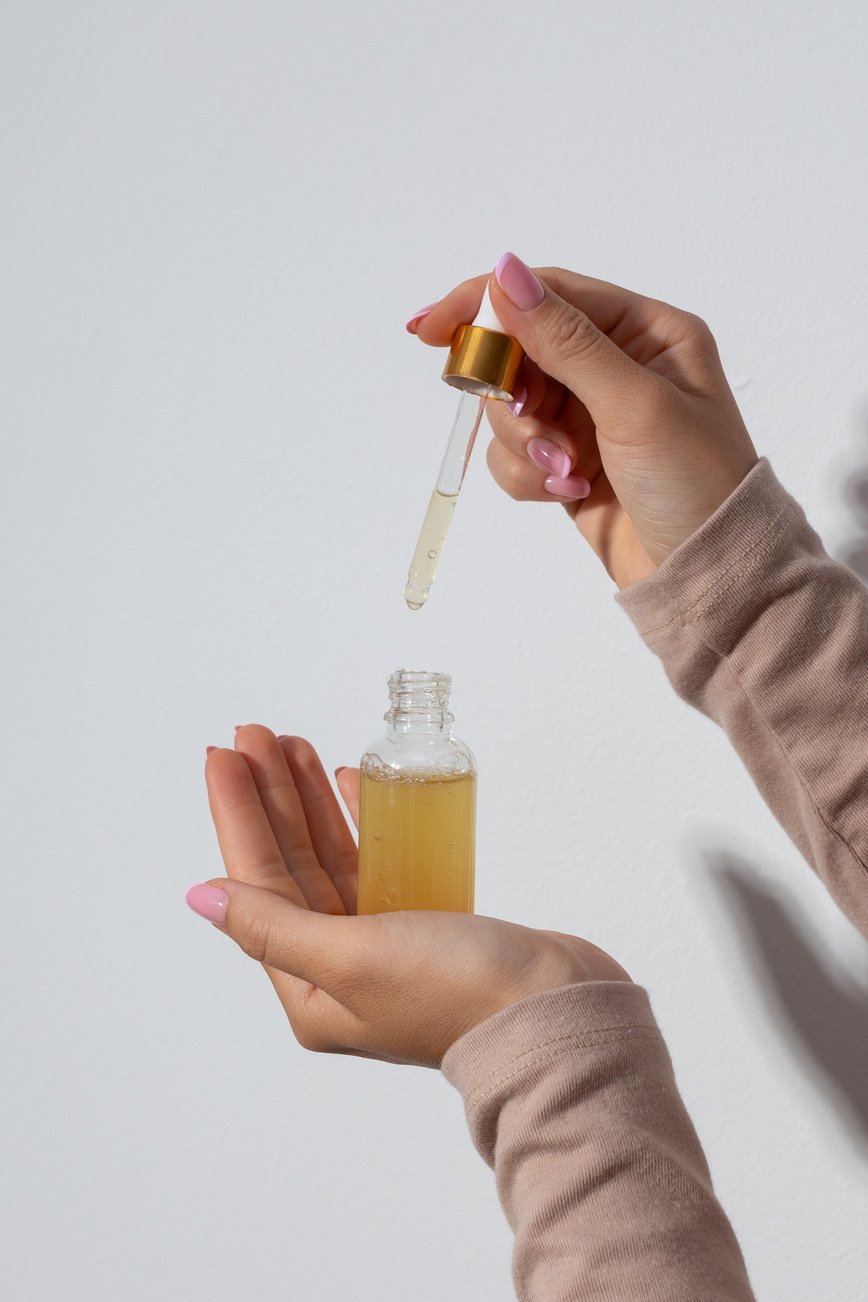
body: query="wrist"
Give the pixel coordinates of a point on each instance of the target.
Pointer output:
(559, 961)
(670, 517)
(563, 961)
(549, 1024)
(710, 571)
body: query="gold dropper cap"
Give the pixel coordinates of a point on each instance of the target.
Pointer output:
(483, 361)
(483, 358)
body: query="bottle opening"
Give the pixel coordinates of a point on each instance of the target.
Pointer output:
(419, 692)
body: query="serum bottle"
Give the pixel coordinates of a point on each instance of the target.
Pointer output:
(417, 816)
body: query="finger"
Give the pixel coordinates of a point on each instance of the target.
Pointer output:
(457, 308)
(349, 782)
(606, 527)
(597, 513)
(332, 840)
(672, 344)
(326, 951)
(620, 313)
(525, 482)
(247, 842)
(536, 394)
(571, 435)
(320, 965)
(613, 309)
(567, 343)
(287, 812)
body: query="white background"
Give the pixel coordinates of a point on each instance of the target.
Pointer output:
(217, 445)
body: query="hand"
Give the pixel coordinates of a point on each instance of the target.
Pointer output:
(397, 986)
(626, 416)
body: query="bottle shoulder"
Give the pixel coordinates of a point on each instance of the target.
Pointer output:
(419, 752)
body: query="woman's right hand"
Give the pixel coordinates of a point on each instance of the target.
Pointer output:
(626, 416)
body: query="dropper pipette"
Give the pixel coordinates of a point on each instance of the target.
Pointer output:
(483, 362)
(438, 517)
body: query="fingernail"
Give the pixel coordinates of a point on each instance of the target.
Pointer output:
(340, 770)
(519, 283)
(414, 320)
(518, 401)
(574, 488)
(208, 750)
(208, 901)
(550, 456)
(238, 728)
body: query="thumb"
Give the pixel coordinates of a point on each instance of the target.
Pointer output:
(318, 947)
(561, 339)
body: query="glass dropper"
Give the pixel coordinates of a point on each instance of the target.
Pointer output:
(438, 517)
(483, 362)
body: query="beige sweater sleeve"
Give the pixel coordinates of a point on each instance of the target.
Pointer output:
(764, 632)
(570, 1095)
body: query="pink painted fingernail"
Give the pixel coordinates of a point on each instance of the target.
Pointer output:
(411, 325)
(574, 487)
(519, 283)
(518, 401)
(208, 750)
(238, 728)
(209, 902)
(550, 456)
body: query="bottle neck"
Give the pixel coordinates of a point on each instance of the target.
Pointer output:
(419, 702)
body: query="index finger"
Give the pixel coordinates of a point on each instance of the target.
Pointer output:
(247, 841)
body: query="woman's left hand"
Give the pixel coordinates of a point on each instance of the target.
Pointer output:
(397, 986)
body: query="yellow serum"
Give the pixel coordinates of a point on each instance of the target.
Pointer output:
(416, 842)
(429, 548)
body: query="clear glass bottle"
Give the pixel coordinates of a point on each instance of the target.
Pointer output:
(417, 816)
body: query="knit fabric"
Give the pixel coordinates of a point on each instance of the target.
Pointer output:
(570, 1094)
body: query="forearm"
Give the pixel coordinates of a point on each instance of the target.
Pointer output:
(570, 1097)
(758, 627)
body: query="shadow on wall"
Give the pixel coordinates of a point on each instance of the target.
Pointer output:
(821, 1014)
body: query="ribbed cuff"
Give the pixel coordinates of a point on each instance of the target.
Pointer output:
(718, 561)
(532, 1032)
